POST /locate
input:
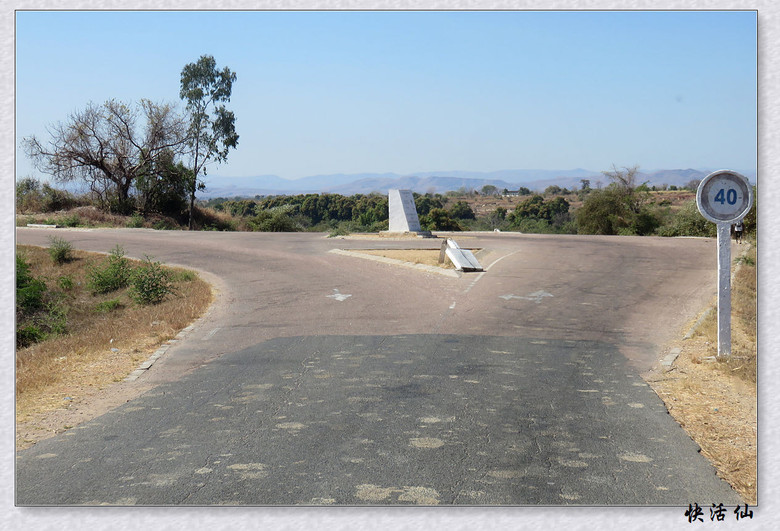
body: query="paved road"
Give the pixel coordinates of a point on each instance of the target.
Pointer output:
(320, 378)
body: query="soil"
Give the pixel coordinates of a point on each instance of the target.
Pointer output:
(716, 408)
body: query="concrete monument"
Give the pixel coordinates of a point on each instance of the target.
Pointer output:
(403, 212)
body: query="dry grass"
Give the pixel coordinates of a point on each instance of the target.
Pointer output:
(100, 347)
(416, 256)
(716, 402)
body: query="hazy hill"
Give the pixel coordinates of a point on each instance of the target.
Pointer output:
(437, 182)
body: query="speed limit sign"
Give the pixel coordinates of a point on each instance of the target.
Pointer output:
(724, 196)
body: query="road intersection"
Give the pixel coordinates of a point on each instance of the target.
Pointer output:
(320, 378)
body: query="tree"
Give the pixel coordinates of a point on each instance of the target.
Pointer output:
(105, 147)
(618, 209)
(439, 219)
(489, 189)
(462, 210)
(162, 186)
(212, 129)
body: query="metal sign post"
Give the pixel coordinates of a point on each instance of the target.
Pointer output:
(724, 197)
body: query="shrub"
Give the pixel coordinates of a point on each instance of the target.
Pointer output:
(27, 335)
(73, 220)
(150, 283)
(275, 219)
(136, 221)
(60, 250)
(30, 291)
(688, 221)
(65, 283)
(113, 275)
(163, 224)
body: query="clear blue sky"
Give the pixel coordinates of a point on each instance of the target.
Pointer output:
(351, 92)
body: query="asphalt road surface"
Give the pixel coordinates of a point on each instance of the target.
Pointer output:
(320, 378)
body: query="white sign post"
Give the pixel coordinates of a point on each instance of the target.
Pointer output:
(724, 197)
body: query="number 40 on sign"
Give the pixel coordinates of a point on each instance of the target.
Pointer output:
(724, 197)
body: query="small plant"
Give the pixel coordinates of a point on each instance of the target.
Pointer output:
(65, 283)
(56, 320)
(136, 221)
(108, 306)
(150, 283)
(71, 221)
(114, 275)
(745, 260)
(60, 250)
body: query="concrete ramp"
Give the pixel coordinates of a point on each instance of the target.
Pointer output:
(463, 259)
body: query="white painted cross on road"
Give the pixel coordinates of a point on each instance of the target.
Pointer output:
(341, 297)
(536, 296)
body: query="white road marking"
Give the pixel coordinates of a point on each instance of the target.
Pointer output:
(482, 274)
(210, 334)
(499, 259)
(341, 297)
(536, 296)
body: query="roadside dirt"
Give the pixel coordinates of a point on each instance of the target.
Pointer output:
(718, 411)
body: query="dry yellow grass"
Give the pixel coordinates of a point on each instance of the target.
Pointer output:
(100, 347)
(716, 402)
(415, 256)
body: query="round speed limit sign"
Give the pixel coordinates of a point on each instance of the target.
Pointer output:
(724, 196)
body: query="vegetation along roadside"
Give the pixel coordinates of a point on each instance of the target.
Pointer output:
(86, 320)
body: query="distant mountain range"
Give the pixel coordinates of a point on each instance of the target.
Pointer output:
(435, 182)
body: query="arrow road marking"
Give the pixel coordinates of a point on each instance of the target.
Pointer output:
(536, 296)
(341, 297)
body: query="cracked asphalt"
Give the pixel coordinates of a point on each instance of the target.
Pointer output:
(417, 389)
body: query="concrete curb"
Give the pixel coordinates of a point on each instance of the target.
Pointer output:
(667, 362)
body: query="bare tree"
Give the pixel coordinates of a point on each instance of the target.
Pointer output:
(105, 147)
(624, 178)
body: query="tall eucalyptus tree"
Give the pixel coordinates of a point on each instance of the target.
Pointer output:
(212, 130)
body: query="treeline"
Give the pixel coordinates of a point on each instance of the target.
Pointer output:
(620, 208)
(338, 213)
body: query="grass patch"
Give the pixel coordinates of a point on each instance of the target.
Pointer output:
(743, 360)
(108, 334)
(415, 256)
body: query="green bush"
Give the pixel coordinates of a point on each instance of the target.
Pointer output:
(27, 335)
(73, 220)
(65, 283)
(114, 274)
(163, 224)
(150, 283)
(688, 221)
(275, 219)
(60, 250)
(30, 291)
(38, 312)
(136, 221)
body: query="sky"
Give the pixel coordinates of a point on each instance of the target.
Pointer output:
(404, 92)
